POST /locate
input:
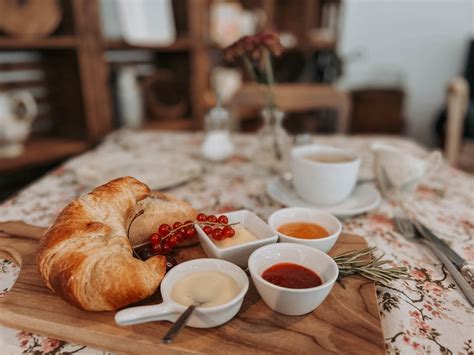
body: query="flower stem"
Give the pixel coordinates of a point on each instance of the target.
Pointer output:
(249, 66)
(270, 79)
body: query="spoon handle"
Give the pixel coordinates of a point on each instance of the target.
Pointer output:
(178, 325)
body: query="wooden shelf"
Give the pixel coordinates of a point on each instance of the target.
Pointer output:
(181, 44)
(38, 43)
(40, 151)
(177, 124)
(321, 43)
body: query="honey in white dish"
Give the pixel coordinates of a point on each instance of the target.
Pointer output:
(211, 288)
(241, 236)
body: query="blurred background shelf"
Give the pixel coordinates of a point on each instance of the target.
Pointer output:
(40, 151)
(181, 44)
(38, 43)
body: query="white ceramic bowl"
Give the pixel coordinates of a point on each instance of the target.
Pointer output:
(301, 214)
(239, 254)
(202, 317)
(290, 301)
(323, 183)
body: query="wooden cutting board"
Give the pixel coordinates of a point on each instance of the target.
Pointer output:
(347, 321)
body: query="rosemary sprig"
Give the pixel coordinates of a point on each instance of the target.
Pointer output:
(366, 264)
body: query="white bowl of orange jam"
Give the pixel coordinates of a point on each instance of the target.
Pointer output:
(316, 229)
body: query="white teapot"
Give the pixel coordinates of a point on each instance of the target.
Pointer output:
(398, 172)
(18, 109)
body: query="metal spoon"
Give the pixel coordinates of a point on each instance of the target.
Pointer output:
(180, 323)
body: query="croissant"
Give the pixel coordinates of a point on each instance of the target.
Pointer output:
(85, 256)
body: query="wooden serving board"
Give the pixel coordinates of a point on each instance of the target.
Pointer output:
(347, 322)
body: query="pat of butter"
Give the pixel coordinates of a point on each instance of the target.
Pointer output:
(241, 236)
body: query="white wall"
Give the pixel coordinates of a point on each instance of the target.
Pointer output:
(425, 41)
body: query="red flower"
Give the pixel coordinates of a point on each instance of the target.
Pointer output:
(24, 338)
(380, 218)
(417, 274)
(252, 46)
(50, 345)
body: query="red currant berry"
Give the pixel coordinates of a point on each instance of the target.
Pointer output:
(165, 248)
(155, 238)
(228, 232)
(201, 217)
(188, 223)
(190, 232)
(223, 219)
(157, 248)
(207, 230)
(164, 229)
(173, 240)
(212, 219)
(176, 225)
(180, 235)
(217, 234)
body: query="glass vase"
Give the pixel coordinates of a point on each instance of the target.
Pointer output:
(275, 142)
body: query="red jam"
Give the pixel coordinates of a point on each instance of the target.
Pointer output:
(291, 276)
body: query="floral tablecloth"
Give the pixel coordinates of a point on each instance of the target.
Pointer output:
(425, 314)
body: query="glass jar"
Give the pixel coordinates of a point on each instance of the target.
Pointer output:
(217, 144)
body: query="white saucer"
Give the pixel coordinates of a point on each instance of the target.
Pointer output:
(365, 197)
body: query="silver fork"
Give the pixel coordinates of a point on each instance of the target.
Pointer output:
(406, 228)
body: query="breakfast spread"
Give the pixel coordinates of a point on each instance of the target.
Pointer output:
(241, 236)
(85, 256)
(291, 276)
(303, 230)
(113, 246)
(206, 289)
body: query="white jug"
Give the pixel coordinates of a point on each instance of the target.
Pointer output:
(398, 172)
(18, 109)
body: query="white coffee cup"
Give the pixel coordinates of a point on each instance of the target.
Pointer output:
(323, 183)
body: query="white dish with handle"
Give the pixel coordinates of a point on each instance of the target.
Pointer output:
(202, 317)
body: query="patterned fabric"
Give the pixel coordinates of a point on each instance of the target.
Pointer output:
(425, 314)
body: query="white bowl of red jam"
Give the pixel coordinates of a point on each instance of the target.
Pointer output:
(292, 279)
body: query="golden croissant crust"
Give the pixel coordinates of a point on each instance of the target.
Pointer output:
(86, 257)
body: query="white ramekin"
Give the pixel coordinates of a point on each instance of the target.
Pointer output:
(290, 301)
(301, 214)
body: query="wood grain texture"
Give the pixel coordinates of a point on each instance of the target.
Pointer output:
(347, 322)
